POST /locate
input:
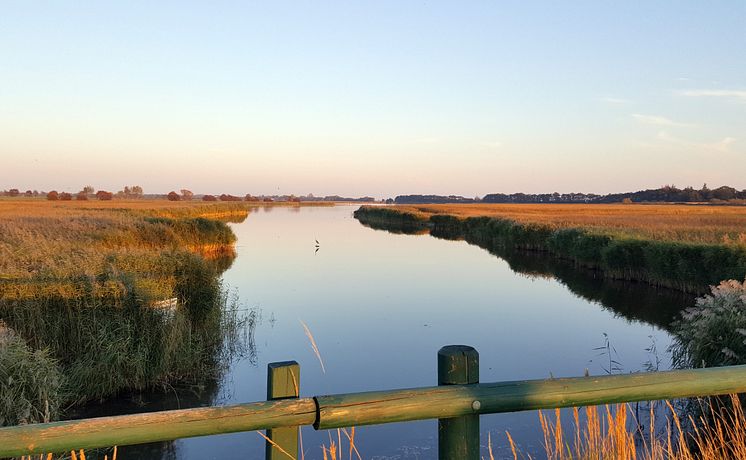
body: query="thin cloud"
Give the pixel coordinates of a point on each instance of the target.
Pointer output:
(737, 94)
(656, 120)
(722, 146)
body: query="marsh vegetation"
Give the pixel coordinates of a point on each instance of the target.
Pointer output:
(99, 298)
(678, 246)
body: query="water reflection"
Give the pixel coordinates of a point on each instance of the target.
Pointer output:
(632, 300)
(368, 296)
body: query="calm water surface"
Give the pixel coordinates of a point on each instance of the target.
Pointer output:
(380, 305)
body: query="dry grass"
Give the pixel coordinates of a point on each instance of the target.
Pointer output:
(57, 240)
(612, 434)
(686, 223)
(74, 276)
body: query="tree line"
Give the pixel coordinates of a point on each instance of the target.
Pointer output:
(665, 194)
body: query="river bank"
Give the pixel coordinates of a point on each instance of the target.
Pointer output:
(700, 248)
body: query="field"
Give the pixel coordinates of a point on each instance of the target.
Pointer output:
(680, 223)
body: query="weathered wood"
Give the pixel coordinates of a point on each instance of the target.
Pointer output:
(379, 407)
(370, 408)
(458, 437)
(155, 426)
(283, 382)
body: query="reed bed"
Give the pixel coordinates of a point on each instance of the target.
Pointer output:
(120, 295)
(689, 256)
(613, 433)
(679, 223)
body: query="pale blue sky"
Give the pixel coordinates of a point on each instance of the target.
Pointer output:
(377, 98)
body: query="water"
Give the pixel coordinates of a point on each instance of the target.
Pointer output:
(380, 305)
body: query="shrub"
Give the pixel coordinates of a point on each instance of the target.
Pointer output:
(64, 196)
(248, 197)
(225, 197)
(713, 332)
(13, 192)
(81, 196)
(30, 382)
(53, 196)
(103, 195)
(209, 198)
(173, 196)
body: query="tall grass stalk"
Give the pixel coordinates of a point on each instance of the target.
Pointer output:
(612, 433)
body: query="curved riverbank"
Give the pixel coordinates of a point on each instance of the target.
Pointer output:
(686, 266)
(122, 298)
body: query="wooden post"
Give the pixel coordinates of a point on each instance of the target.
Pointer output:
(458, 437)
(283, 382)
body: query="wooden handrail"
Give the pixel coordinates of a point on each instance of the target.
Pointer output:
(368, 408)
(154, 426)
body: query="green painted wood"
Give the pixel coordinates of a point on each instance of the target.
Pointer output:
(156, 426)
(357, 409)
(458, 437)
(283, 382)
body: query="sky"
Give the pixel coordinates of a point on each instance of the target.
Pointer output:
(372, 98)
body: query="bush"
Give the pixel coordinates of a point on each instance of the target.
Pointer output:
(173, 196)
(103, 195)
(81, 196)
(30, 382)
(53, 196)
(209, 198)
(64, 196)
(713, 332)
(225, 197)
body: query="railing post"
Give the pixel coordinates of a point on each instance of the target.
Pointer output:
(283, 382)
(458, 437)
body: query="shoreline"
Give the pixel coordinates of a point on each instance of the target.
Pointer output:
(685, 266)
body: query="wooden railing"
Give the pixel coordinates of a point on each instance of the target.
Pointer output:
(456, 402)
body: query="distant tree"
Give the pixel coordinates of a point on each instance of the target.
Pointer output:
(53, 196)
(126, 191)
(103, 195)
(186, 195)
(29, 193)
(136, 191)
(88, 190)
(64, 196)
(81, 196)
(225, 197)
(209, 198)
(13, 192)
(268, 200)
(173, 196)
(248, 197)
(724, 193)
